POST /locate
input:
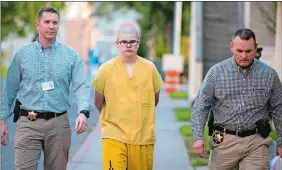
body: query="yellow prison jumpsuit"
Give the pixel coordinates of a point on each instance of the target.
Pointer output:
(128, 115)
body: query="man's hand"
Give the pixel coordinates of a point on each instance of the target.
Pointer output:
(81, 123)
(279, 151)
(199, 147)
(4, 133)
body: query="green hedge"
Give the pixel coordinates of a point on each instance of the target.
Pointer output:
(183, 114)
(179, 95)
(3, 70)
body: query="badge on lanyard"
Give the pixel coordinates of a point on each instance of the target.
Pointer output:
(48, 86)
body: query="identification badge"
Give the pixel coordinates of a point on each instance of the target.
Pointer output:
(218, 137)
(48, 86)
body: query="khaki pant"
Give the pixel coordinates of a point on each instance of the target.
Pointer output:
(250, 152)
(53, 136)
(121, 156)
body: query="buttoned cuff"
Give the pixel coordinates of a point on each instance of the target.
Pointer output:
(198, 136)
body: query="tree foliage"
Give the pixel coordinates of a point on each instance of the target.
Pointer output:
(156, 14)
(19, 17)
(156, 21)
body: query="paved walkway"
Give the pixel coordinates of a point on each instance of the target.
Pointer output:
(170, 152)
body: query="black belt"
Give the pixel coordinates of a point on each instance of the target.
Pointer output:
(240, 134)
(40, 115)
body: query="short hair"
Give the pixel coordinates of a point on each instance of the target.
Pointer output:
(128, 29)
(245, 34)
(47, 9)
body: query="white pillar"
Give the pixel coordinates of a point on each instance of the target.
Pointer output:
(61, 32)
(196, 49)
(177, 27)
(278, 40)
(240, 14)
(247, 14)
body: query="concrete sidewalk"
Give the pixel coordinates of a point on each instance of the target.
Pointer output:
(170, 151)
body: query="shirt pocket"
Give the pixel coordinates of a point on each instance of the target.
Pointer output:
(31, 70)
(63, 72)
(258, 95)
(147, 97)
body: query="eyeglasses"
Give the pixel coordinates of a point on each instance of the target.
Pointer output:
(125, 43)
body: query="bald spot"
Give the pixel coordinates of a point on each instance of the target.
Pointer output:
(128, 29)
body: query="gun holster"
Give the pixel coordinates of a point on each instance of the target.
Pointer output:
(210, 123)
(264, 128)
(17, 110)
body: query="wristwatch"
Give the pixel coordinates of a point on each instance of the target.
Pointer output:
(86, 113)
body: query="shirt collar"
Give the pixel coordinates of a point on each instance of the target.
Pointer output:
(239, 69)
(41, 47)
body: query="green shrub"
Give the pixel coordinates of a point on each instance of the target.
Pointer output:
(179, 95)
(183, 114)
(200, 162)
(3, 70)
(185, 130)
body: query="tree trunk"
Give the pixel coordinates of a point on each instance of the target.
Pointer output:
(151, 49)
(168, 34)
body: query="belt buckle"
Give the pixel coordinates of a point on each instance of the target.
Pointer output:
(32, 116)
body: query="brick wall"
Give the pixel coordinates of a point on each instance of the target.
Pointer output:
(79, 36)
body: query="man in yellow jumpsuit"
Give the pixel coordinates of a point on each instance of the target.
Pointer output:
(127, 90)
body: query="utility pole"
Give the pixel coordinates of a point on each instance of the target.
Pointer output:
(177, 27)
